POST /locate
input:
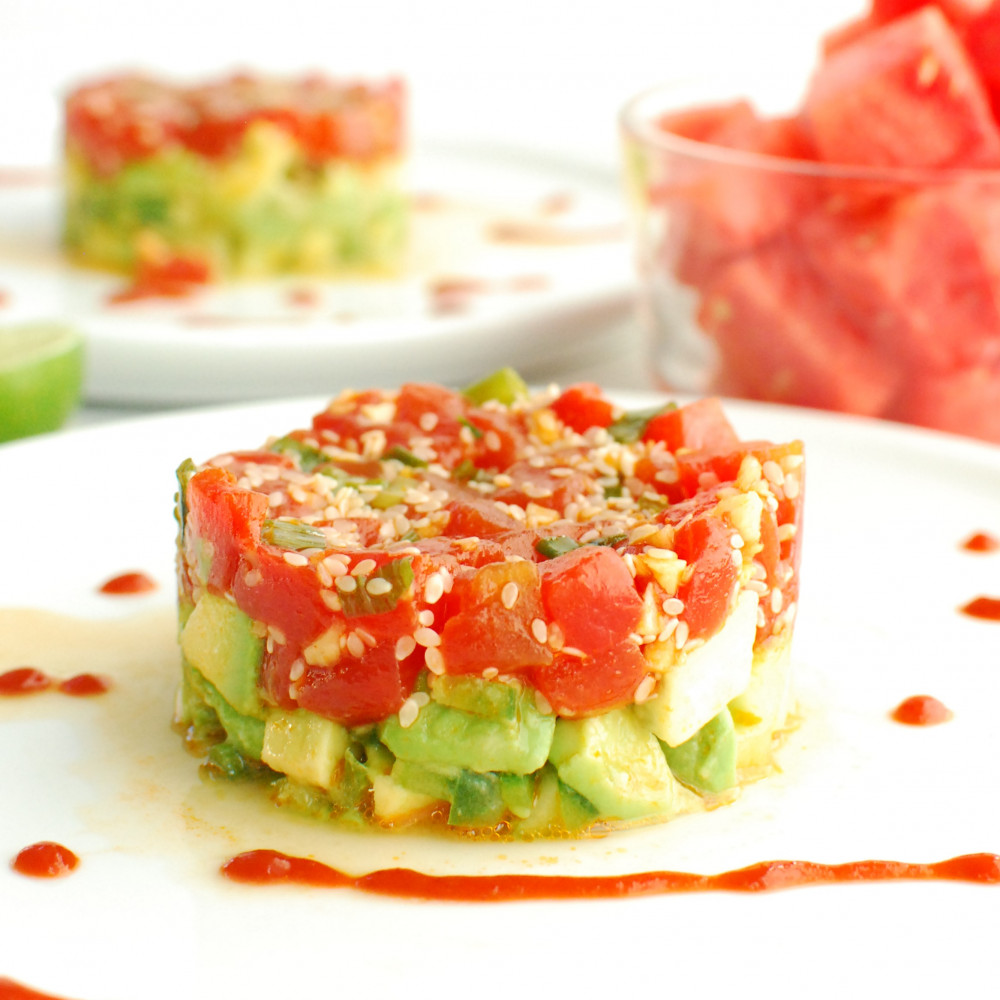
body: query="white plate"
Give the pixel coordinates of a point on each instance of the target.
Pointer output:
(147, 914)
(549, 291)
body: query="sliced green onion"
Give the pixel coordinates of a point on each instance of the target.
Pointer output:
(309, 457)
(293, 535)
(630, 427)
(557, 545)
(361, 601)
(477, 432)
(185, 471)
(404, 455)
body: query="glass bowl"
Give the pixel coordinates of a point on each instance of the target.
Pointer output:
(769, 275)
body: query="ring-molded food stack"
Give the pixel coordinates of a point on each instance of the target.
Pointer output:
(243, 177)
(492, 611)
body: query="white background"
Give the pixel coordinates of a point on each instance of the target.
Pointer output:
(549, 74)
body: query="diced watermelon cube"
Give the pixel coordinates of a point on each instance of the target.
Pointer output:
(702, 123)
(843, 34)
(958, 12)
(962, 402)
(906, 94)
(982, 39)
(781, 338)
(719, 207)
(922, 276)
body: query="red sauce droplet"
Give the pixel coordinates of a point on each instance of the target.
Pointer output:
(981, 542)
(921, 710)
(128, 583)
(84, 685)
(9, 990)
(265, 867)
(45, 859)
(23, 680)
(986, 608)
(27, 680)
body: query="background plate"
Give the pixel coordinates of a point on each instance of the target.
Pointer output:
(516, 259)
(147, 915)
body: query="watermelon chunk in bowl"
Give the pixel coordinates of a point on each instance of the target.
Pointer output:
(841, 247)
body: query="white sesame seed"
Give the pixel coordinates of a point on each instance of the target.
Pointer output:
(645, 689)
(557, 638)
(408, 713)
(542, 703)
(773, 473)
(509, 594)
(364, 567)
(377, 586)
(355, 645)
(539, 630)
(428, 421)
(426, 617)
(252, 577)
(492, 441)
(434, 588)
(346, 584)
(667, 631)
(681, 635)
(673, 606)
(297, 670)
(777, 599)
(434, 661)
(295, 558)
(427, 637)
(331, 600)
(405, 645)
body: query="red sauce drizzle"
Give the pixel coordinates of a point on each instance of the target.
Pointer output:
(45, 859)
(29, 680)
(128, 583)
(986, 608)
(23, 680)
(84, 685)
(981, 542)
(921, 710)
(265, 867)
(9, 990)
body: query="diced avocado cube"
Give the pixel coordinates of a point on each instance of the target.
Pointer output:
(245, 732)
(304, 746)
(701, 683)
(449, 736)
(476, 800)
(505, 386)
(615, 763)
(426, 779)
(395, 803)
(707, 761)
(577, 812)
(518, 791)
(492, 699)
(220, 642)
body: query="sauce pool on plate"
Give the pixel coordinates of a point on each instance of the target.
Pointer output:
(921, 710)
(128, 583)
(267, 867)
(45, 859)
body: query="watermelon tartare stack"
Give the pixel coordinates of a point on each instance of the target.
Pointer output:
(493, 612)
(243, 177)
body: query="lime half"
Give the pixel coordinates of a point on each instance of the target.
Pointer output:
(41, 377)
